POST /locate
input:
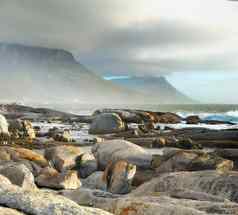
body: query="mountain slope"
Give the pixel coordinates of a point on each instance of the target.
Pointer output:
(157, 87)
(34, 74)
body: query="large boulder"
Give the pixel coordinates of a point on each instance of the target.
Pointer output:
(51, 178)
(62, 157)
(3, 124)
(207, 181)
(107, 123)
(188, 160)
(18, 174)
(86, 164)
(194, 119)
(118, 176)
(42, 203)
(95, 181)
(9, 211)
(149, 205)
(169, 118)
(114, 150)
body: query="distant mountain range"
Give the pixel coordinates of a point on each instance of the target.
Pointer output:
(157, 87)
(39, 75)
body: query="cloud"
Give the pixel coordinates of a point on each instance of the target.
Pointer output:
(129, 37)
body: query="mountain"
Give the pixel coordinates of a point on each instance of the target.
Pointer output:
(157, 87)
(39, 75)
(42, 75)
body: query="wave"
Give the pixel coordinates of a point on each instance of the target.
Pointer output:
(229, 116)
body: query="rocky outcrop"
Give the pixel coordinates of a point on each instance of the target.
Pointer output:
(190, 160)
(194, 119)
(95, 181)
(19, 175)
(9, 211)
(42, 203)
(118, 177)
(62, 157)
(86, 164)
(107, 123)
(169, 118)
(50, 178)
(154, 204)
(209, 181)
(114, 150)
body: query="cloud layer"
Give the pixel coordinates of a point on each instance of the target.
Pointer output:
(130, 37)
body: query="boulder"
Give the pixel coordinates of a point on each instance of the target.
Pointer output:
(207, 181)
(19, 175)
(114, 150)
(169, 118)
(193, 119)
(42, 203)
(107, 123)
(86, 164)
(9, 211)
(51, 178)
(62, 157)
(95, 181)
(188, 160)
(118, 176)
(21, 129)
(3, 124)
(151, 205)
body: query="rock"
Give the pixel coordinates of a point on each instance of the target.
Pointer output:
(158, 204)
(142, 176)
(185, 160)
(50, 178)
(42, 203)
(28, 129)
(193, 119)
(62, 157)
(86, 164)
(118, 176)
(164, 205)
(3, 124)
(107, 123)
(9, 211)
(34, 159)
(64, 136)
(114, 150)
(169, 118)
(91, 197)
(4, 134)
(19, 175)
(208, 181)
(95, 181)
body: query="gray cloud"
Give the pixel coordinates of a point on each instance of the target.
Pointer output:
(136, 37)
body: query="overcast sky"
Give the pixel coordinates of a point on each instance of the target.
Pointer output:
(181, 38)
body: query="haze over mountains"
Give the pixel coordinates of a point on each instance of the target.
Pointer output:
(39, 75)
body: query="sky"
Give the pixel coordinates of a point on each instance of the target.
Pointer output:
(194, 43)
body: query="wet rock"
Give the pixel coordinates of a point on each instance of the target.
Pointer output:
(118, 176)
(208, 181)
(185, 160)
(42, 203)
(51, 178)
(193, 119)
(86, 164)
(62, 157)
(169, 118)
(18, 174)
(107, 123)
(114, 150)
(95, 181)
